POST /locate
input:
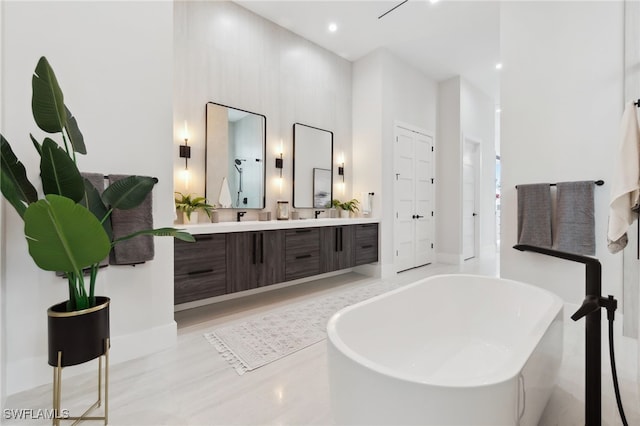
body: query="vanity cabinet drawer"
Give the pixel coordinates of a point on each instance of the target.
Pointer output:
(199, 285)
(366, 243)
(302, 253)
(200, 268)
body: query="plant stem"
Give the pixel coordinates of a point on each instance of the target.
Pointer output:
(106, 215)
(92, 284)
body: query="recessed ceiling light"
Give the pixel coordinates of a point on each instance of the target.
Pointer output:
(333, 27)
(498, 66)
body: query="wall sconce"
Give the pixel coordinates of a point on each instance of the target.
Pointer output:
(279, 160)
(279, 163)
(341, 167)
(185, 150)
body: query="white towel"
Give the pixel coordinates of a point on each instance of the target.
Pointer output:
(625, 187)
(225, 195)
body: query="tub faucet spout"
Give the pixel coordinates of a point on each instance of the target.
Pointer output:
(589, 305)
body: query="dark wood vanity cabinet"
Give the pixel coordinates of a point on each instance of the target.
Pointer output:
(336, 248)
(200, 269)
(254, 259)
(366, 243)
(218, 264)
(302, 253)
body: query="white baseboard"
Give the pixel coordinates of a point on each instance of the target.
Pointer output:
(29, 373)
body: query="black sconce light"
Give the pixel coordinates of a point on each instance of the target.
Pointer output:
(341, 171)
(279, 163)
(185, 150)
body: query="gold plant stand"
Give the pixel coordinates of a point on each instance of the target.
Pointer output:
(57, 391)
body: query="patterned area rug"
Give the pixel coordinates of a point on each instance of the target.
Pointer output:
(264, 338)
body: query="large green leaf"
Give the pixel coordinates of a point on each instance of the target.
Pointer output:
(160, 232)
(47, 102)
(15, 185)
(63, 235)
(9, 190)
(59, 173)
(129, 192)
(93, 202)
(36, 144)
(75, 136)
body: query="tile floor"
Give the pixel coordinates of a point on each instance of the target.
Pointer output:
(190, 384)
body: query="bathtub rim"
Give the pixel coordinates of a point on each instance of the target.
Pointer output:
(339, 345)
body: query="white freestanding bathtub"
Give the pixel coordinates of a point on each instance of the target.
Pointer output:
(446, 350)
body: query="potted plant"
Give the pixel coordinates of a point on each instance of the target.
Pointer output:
(189, 206)
(346, 208)
(68, 228)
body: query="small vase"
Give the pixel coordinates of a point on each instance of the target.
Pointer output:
(186, 220)
(215, 217)
(344, 214)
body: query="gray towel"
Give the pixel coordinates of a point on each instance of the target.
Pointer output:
(575, 218)
(534, 215)
(124, 222)
(96, 179)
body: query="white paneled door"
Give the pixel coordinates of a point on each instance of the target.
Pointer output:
(413, 198)
(469, 199)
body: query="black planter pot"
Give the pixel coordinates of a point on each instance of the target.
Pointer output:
(79, 335)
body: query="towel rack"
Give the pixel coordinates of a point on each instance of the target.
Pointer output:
(107, 178)
(598, 182)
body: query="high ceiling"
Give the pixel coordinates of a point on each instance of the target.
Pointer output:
(442, 39)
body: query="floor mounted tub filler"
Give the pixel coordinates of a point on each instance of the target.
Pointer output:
(446, 350)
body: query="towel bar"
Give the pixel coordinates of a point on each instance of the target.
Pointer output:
(598, 182)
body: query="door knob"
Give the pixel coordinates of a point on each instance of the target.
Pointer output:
(475, 214)
(413, 217)
(418, 216)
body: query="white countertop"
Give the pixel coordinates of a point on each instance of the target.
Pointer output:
(256, 225)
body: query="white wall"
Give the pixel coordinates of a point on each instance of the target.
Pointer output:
(227, 54)
(477, 112)
(561, 100)
(405, 95)
(114, 65)
(449, 173)
(464, 111)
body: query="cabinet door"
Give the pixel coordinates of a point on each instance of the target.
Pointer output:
(270, 262)
(302, 253)
(336, 248)
(366, 243)
(254, 259)
(199, 268)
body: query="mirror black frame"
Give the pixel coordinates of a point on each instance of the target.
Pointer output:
(293, 184)
(264, 154)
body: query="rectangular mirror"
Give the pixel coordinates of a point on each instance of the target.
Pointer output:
(312, 167)
(234, 154)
